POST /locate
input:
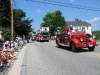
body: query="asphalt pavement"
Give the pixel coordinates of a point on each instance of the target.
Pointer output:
(18, 64)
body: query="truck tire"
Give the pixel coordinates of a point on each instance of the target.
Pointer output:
(73, 47)
(91, 48)
(47, 40)
(59, 46)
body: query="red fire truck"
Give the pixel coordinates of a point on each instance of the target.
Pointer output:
(43, 34)
(75, 39)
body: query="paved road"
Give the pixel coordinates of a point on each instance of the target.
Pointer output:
(44, 58)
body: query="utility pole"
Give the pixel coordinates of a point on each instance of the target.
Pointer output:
(12, 25)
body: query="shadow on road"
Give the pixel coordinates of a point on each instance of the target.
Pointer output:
(80, 50)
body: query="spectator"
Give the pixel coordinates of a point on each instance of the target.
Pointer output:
(1, 40)
(1, 47)
(16, 45)
(12, 44)
(24, 39)
(1, 34)
(21, 41)
(1, 50)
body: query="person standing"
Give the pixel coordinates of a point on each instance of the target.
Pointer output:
(1, 34)
(24, 39)
(1, 48)
(1, 40)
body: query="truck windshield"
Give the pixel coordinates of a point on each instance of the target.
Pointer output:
(44, 33)
(79, 30)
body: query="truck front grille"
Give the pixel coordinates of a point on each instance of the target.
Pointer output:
(44, 36)
(84, 39)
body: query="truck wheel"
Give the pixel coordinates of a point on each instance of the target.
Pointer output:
(73, 47)
(59, 46)
(91, 48)
(47, 40)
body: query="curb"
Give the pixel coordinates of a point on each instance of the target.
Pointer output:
(10, 65)
(6, 70)
(16, 67)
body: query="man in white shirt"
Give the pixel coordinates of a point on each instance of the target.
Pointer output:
(1, 34)
(1, 40)
(1, 45)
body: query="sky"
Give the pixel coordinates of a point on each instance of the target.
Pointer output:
(71, 9)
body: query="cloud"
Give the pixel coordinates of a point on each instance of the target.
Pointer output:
(93, 20)
(39, 11)
(72, 1)
(94, 25)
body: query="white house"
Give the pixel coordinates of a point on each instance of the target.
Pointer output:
(79, 24)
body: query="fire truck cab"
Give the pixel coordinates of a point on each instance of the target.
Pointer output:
(43, 34)
(75, 39)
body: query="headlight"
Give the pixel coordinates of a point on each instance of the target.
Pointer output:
(81, 39)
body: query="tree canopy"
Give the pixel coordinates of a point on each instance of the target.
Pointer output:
(97, 34)
(22, 25)
(54, 20)
(5, 13)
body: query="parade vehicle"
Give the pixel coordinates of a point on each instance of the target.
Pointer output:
(75, 39)
(43, 34)
(33, 37)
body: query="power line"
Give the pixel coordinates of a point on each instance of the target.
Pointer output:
(65, 5)
(71, 4)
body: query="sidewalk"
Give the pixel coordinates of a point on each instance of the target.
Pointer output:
(15, 68)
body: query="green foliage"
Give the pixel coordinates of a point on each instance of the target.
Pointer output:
(6, 33)
(5, 13)
(97, 34)
(54, 20)
(22, 25)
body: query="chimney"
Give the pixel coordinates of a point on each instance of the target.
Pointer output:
(76, 20)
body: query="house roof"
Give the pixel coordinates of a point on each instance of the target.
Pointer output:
(80, 23)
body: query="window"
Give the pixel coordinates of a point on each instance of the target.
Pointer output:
(80, 28)
(87, 27)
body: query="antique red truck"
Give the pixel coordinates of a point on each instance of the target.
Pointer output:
(75, 39)
(43, 34)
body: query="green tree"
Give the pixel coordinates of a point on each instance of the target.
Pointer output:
(6, 33)
(5, 13)
(54, 20)
(22, 25)
(97, 34)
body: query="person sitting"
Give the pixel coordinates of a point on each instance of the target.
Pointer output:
(7, 50)
(69, 31)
